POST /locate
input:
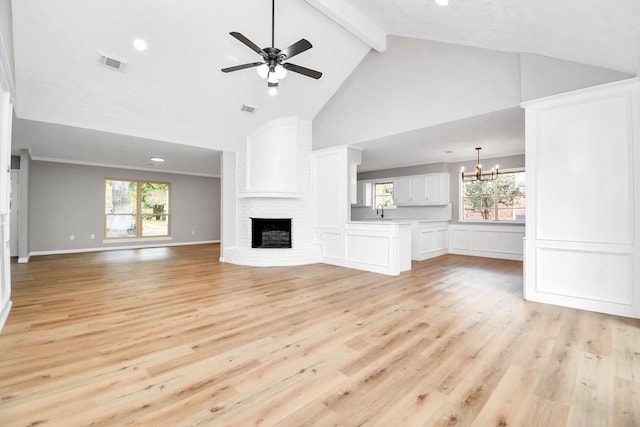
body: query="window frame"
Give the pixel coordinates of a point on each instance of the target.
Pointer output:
(139, 214)
(461, 199)
(375, 203)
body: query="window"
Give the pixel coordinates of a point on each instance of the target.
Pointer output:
(501, 199)
(384, 194)
(136, 209)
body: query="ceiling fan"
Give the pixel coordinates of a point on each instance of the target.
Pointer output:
(273, 66)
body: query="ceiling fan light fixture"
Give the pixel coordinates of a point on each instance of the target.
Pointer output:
(273, 77)
(273, 88)
(280, 72)
(263, 71)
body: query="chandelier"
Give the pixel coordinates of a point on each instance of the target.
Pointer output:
(478, 175)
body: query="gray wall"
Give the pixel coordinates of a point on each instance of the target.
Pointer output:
(543, 76)
(68, 199)
(405, 171)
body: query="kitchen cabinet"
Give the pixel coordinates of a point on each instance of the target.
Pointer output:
(437, 188)
(402, 191)
(421, 190)
(364, 194)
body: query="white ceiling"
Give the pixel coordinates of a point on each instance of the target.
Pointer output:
(51, 142)
(174, 91)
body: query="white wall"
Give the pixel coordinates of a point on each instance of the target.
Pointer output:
(228, 195)
(415, 84)
(583, 188)
(6, 35)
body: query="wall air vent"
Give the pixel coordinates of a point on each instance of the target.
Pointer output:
(112, 61)
(248, 109)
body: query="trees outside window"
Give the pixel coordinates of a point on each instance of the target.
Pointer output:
(136, 209)
(501, 199)
(384, 194)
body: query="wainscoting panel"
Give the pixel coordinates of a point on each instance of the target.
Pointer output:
(493, 241)
(597, 276)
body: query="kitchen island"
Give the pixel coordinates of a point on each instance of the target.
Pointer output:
(379, 246)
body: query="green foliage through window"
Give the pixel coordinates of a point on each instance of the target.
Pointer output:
(136, 209)
(501, 199)
(384, 194)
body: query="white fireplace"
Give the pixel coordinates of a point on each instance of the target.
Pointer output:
(273, 180)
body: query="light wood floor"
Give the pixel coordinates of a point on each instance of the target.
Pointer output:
(168, 336)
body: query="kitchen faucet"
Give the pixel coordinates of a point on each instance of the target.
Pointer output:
(381, 210)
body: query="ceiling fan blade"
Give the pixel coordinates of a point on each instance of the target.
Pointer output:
(241, 67)
(302, 70)
(249, 43)
(296, 48)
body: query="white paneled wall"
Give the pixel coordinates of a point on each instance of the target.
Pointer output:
(492, 241)
(583, 191)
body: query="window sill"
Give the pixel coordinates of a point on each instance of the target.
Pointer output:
(138, 239)
(492, 222)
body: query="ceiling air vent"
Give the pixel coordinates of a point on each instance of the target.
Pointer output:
(248, 109)
(112, 61)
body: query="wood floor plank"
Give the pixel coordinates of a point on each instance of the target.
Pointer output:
(171, 337)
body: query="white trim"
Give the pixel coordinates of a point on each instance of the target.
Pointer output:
(4, 314)
(137, 239)
(24, 260)
(110, 165)
(6, 72)
(116, 248)
(585, 91)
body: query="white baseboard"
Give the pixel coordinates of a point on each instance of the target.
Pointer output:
(24, 260)
(114, 248)
(4, 314)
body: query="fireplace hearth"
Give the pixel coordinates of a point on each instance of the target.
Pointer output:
(270, 233)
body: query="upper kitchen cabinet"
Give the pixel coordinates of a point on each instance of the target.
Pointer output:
(437, 188)
(421, 190)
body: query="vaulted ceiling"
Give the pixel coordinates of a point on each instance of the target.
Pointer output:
(174, 91)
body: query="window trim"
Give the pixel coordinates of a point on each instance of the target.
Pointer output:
(487, 221)
(374, 198)
(138, 236)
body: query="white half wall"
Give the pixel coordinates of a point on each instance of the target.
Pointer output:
(583, 190)
(492, 241)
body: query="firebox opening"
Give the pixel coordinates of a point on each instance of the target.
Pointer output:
(271, 232)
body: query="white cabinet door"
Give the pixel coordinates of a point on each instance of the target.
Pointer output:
(417, 190)
(437, 188)
(363, 194)
(402, 191)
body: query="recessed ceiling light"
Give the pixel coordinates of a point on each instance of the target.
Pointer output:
(140, 44)
(157, 159)
(442, 2)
